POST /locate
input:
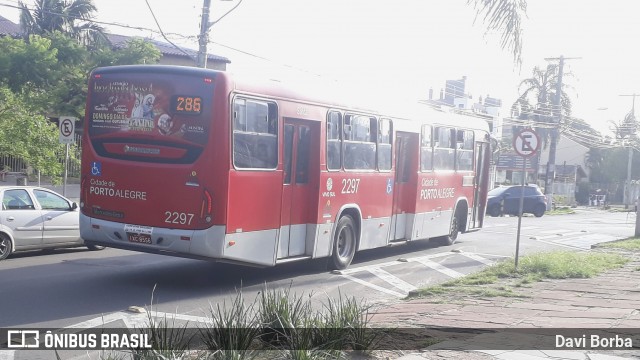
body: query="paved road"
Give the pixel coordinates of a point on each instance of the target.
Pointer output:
(72, 286)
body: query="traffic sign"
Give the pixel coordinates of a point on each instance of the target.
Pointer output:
(526, 143)
(67, 129)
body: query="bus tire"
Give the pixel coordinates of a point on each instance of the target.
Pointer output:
(5, 246)
(454, 230)
(344, 244)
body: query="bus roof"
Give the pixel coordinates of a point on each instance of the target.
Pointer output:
(321, 92)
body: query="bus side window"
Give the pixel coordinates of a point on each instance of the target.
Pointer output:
(426, 149)
(255, 139)
(464, 151)
(334, 140)
(444, 151)
(385, 132)
(360, 142)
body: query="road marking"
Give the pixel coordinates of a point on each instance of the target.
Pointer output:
(374, 286)
(478, 258)
(406, 287)
(7, 354)
(439, 267)
(392, 280)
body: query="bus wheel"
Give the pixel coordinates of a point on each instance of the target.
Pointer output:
(454, 230)
(344, 244)
(5, 246)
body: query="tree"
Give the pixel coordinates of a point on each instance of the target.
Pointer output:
(504, 16)
(536, 101)
(29, 136)
(71, 17)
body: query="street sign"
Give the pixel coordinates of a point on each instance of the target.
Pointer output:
(67, 129)
(526, 143)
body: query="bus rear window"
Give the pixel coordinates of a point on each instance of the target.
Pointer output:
(149, 117)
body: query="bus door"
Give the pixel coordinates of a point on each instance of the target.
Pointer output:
(404, 188)
(483, 155)
(301, 172)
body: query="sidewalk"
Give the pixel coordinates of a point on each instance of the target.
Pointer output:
(610, 301)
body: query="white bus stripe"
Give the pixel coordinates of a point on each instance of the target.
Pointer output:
(393, 280)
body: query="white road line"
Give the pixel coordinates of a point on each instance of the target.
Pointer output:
(7, 354)
(375, 287)
(555, 231)
(393, 280)
(390, 263)
(438, 267)
(561, 244)
(478, 258)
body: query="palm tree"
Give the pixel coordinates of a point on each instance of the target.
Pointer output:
(504, 16)
(536, 101)
(70, 17)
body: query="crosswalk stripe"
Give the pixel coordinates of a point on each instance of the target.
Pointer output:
(393, 280)
(438, 267)
(375, 287)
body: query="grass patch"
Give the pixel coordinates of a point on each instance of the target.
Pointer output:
(503, 277)
(628, 245)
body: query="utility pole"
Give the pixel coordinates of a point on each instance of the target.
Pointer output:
(632, 131)
(551, 163)
(203, 38)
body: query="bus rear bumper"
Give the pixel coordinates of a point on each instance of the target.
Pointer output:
(257, 248)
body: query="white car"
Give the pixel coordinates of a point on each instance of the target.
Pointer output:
(37, 218)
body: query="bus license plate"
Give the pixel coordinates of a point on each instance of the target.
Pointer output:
(139, 238)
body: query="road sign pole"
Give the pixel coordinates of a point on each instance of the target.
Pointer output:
(524, 177)
(526, 143)
(66, 162)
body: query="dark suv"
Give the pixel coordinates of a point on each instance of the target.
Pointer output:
(506, 200)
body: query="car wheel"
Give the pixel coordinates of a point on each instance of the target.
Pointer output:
(540, 209)
(95, 247)
(454, 230)
(494, 210)
(5, 246)
(344, 244)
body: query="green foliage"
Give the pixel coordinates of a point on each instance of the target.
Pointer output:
(136, 51)
(632, 244)
(29, 136)
(531, 268)
(27, 65)
(609, 166)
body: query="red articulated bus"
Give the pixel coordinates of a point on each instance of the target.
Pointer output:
(196, 163)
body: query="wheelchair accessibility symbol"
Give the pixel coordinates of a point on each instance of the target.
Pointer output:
(96, 168)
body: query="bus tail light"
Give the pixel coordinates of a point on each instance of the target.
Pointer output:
(207, 206)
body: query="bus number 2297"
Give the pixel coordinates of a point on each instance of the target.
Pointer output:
(174, 217)
(350, 186)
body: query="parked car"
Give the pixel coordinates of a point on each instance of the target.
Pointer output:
(506, 200)
(37, 218)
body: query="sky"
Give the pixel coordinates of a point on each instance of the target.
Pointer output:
(406, 47)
